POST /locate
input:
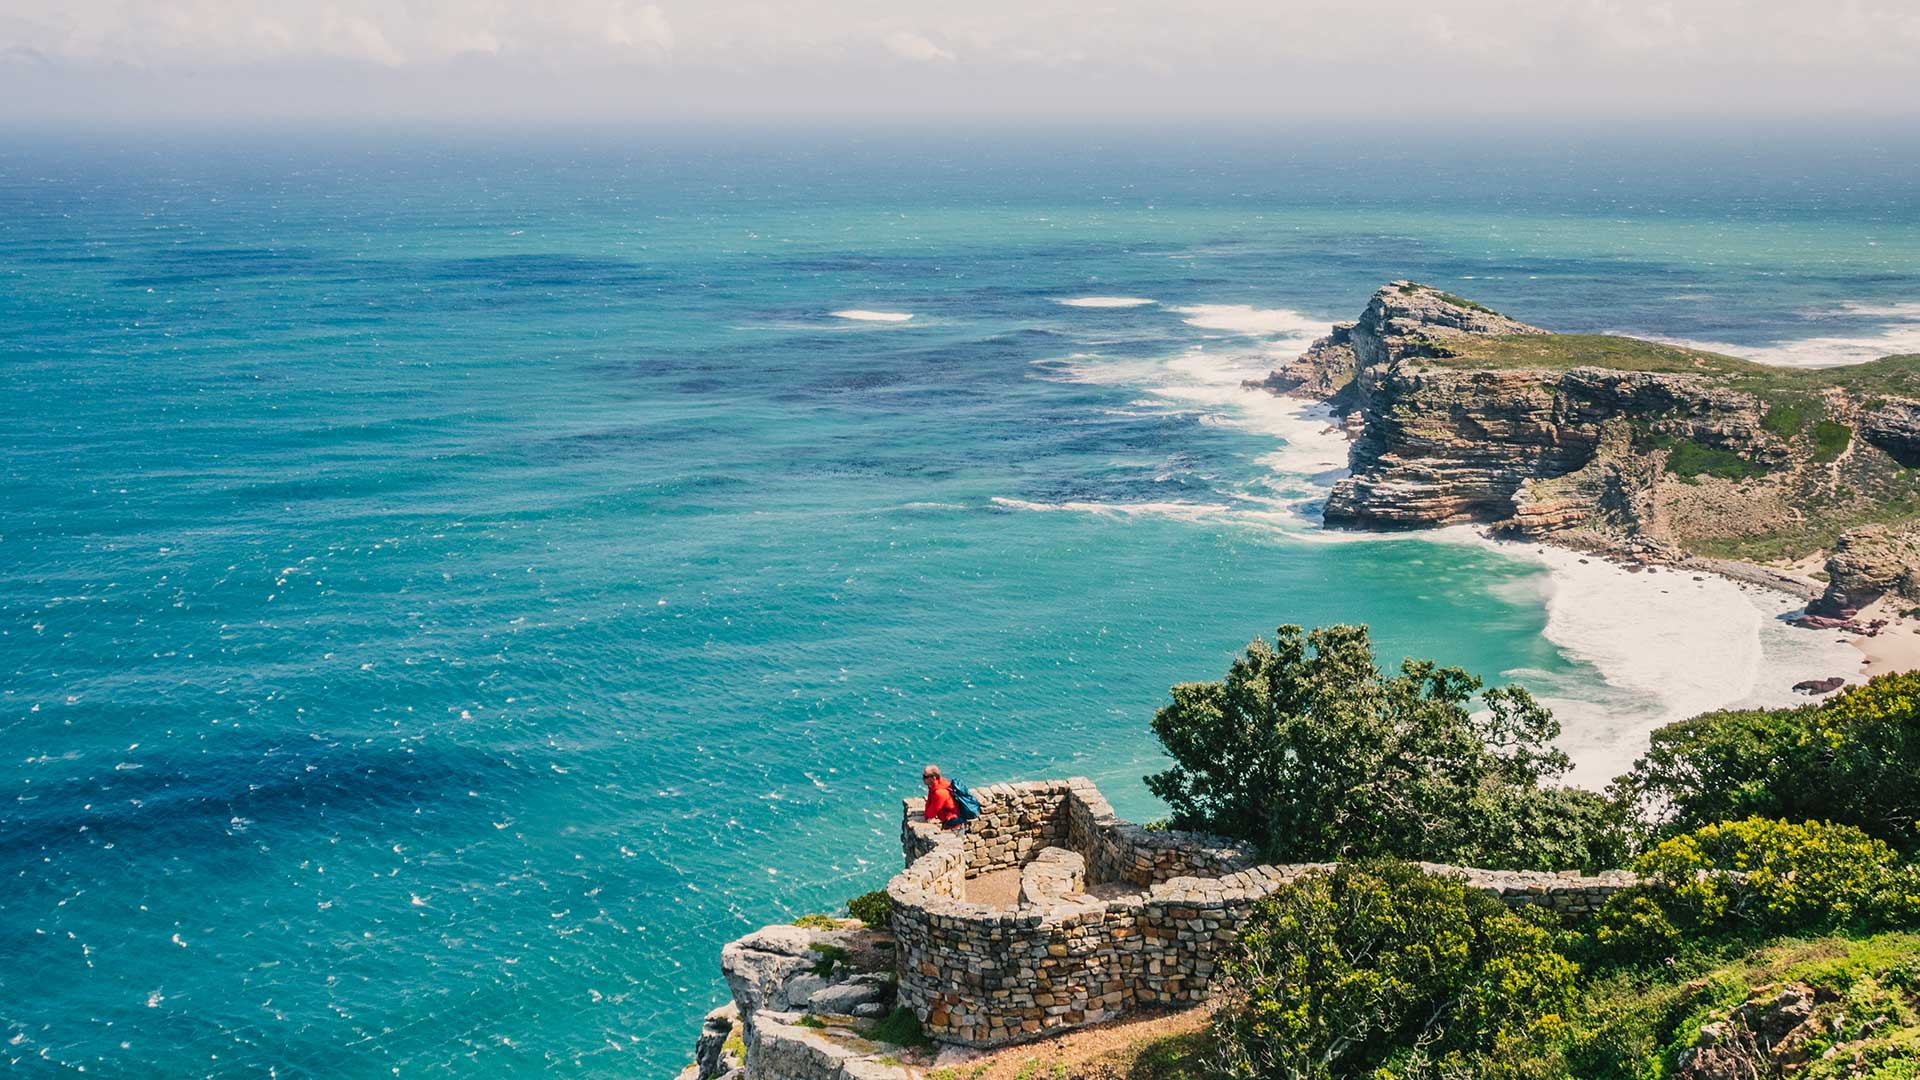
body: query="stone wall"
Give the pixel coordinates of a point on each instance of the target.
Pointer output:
(1161, 911)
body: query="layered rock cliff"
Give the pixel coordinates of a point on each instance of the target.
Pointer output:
(1461, 414)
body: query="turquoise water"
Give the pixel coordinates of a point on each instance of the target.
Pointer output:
(448, 587)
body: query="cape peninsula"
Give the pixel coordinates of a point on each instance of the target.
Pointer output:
(1799, 479)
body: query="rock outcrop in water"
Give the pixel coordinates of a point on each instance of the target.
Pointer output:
(1461, 414)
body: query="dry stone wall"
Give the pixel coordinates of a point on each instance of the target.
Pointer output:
(1112, 917)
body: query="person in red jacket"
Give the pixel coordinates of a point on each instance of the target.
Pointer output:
(940, 804)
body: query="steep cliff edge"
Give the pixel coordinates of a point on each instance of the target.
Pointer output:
(1461, 414)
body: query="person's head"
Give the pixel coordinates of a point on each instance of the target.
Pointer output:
(929, 774)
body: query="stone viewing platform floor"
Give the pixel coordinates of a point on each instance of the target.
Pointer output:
(995, 888)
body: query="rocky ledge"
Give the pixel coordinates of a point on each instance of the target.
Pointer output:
(1460, 414)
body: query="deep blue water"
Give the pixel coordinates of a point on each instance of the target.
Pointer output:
(449, 586)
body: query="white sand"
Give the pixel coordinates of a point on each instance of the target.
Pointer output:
(1665, 647)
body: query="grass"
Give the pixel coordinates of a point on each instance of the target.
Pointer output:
(901, 1028)
(830, 955)
(811, 1021)
(735, 1046)
(1830, 439)
(816, 921)
(1690, 460)
(1788, 417)
(1790, 390)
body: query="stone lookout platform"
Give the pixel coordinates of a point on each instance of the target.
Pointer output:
(1106, 917)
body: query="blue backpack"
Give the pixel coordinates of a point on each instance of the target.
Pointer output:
(962, 798)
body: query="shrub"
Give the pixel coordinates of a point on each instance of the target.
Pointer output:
(1381, 970)
(872, 908)
(1830, 439)
(1632, 928)
(830, 955)
(901, 1028)
(1788, 418)
(1308, 750)
(1688, 460)
(1775, 875)
(816, 921)
(1853, 760)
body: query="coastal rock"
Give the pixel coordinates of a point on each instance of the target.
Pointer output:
(1323, 373)
(1817, 687)
(773, 968)
(1533, 451)
(850, 998)
(1458, 414)
(1867, 563)
(709, 1050)
(1407, 319)
(1766, 1036)
(1895, 428)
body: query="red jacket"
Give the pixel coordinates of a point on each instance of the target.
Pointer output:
(940, 804)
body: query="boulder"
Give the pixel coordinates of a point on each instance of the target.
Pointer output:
(847, 998)
(1895, 428)
(709, 1050)
(1867, 563)
(1820, 686)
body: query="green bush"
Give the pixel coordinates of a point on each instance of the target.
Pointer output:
(1853, 760)
(1689, 460)
(1380, 970)
(1307, 749)
(816, 921)
(899, 1027)
(1632, 928)
(1789, 417)
(1830, 439)
(830, 956)
(1777, 876)
(874, 908)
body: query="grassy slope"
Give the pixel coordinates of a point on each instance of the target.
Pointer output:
(1629, 1027)
(1895, 376)
(1635, 1027)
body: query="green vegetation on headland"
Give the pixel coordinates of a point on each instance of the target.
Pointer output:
(1794, 387)
(1768, 937)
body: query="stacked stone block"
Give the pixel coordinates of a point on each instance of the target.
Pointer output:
(983, 976)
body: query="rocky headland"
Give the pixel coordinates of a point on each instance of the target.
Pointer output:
(1645, 452)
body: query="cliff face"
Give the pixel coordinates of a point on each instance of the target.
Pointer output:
(1461, 414)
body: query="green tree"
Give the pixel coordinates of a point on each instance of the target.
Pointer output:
(1309, 750)
(1380, 970)
(1854, 760)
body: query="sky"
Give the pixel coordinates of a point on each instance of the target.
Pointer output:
(909, 60)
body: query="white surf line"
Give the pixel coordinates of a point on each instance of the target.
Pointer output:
(1667, 644)
(1107, 301)
(860, 315)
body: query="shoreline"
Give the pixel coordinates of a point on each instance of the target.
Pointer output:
(1893, 647)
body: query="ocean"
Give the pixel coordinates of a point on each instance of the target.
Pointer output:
(450, 584)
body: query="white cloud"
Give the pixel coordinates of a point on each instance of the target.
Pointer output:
(912, 46)
(785, 56)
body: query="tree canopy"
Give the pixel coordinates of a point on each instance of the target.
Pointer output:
(1307, 749)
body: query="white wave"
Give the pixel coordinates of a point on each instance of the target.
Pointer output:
(1183, 511)
(1246, 319)
(1107, 301)
(859, 315)
(1666, 647)
(1897, 332)
(1878, 311)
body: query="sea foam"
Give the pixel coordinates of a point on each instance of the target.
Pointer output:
(859, 315)
(1665, 646)
(1107, 301)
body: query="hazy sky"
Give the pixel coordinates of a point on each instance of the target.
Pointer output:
(998, 59)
